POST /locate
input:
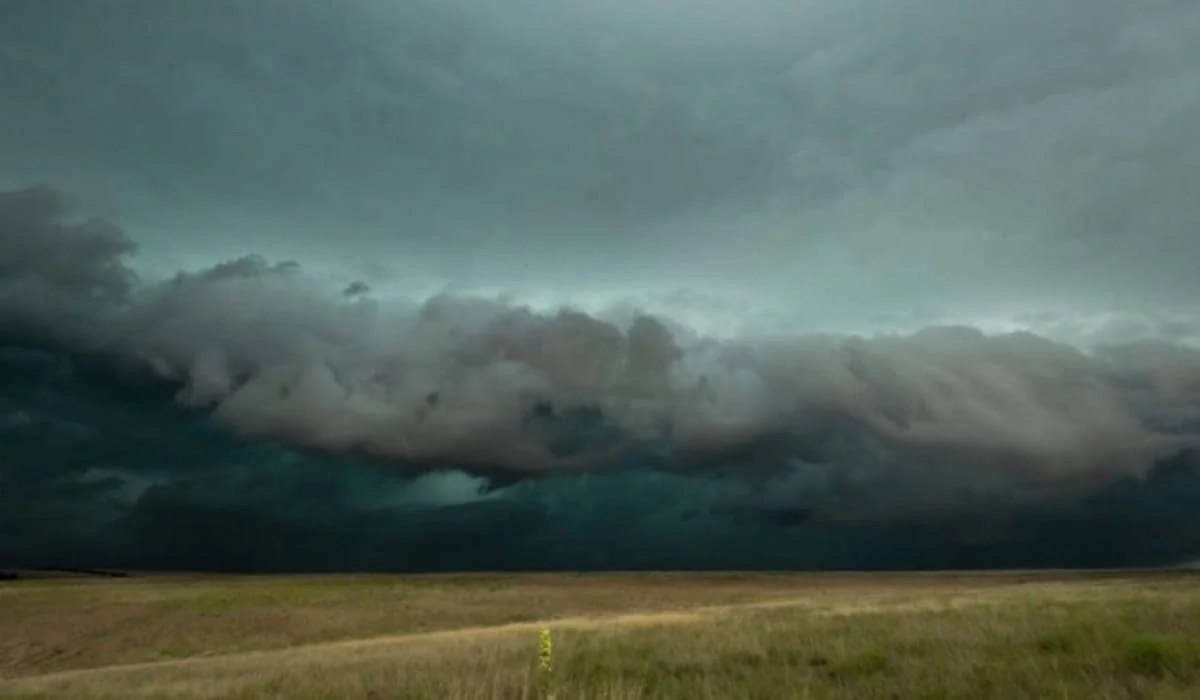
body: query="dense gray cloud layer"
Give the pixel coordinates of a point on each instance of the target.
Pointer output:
(923, 154)
(505, 391)
(539, 238)
(619, 442)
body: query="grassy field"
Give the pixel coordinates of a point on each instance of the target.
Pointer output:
(615, 636)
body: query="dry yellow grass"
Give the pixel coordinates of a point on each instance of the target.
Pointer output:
(54, 625)
(616, 636)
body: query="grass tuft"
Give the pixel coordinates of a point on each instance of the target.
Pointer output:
(1157, 655)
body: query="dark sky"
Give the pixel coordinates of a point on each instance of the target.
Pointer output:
(881, 262)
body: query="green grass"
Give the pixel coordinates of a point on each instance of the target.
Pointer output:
(999, 650)
(692, 638)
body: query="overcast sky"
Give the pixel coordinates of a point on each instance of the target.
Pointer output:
(824, 163)
(762, 170)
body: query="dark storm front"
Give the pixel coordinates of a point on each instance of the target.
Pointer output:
(598, 285)
(127, 447)
(96, 476)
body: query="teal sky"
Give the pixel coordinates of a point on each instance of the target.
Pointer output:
(821, 164)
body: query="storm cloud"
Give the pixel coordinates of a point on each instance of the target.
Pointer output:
(457, 285)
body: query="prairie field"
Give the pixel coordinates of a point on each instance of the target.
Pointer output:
(614, 636)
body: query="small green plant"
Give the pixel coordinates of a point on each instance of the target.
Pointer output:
(545, 651)
(545, 663)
